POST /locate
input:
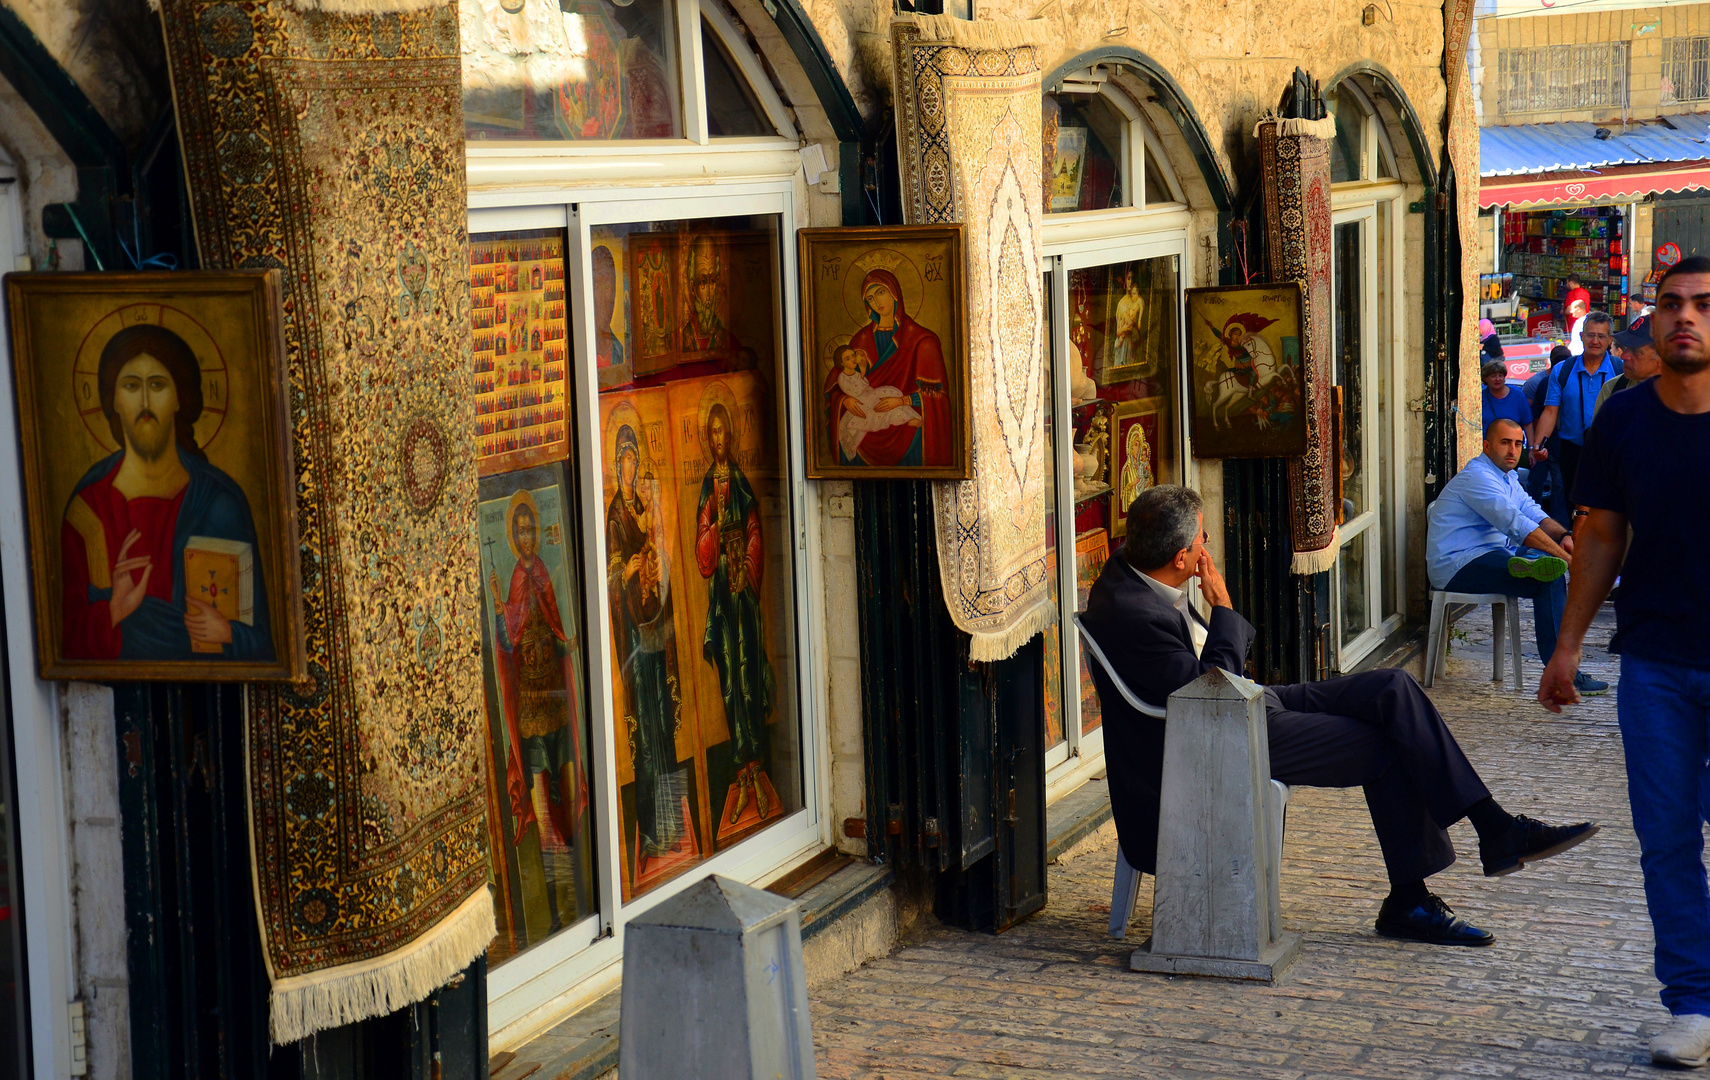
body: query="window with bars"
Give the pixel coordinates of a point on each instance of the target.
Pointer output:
(1560, 77)
(1685, 69)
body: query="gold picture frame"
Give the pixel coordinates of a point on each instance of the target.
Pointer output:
(114, 490)
(913, 423)
(1246, 370)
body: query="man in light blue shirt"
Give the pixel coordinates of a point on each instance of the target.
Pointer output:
(1570, 396)
(1486, 535)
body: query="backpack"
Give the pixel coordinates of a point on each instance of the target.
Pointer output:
(1561, 373)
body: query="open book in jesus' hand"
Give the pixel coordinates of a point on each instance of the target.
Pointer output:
(221, 573)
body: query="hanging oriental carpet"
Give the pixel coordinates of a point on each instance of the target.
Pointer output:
(968, 137)
(331, 146)
(1294, 158)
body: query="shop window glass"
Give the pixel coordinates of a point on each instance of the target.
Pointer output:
(1350, 352)
(1055, 728)
(698, 562)
(1388, 397)
(1123, 337)
(1351, 570)
(569, 70)
(533, 638)
(1157, 187)
(732, 110)
(1346, 152)
(1084, 153)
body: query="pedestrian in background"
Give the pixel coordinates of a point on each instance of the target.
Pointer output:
(1570, 396)
(1576, 305)
(1644, 466)
(1489, 340)
(1544, 480)
(1639, 361)
(1501, 401)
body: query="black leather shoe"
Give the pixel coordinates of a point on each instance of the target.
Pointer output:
(1529, 841)
(1432, 922)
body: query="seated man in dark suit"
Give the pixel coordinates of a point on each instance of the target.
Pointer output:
(1377, 730)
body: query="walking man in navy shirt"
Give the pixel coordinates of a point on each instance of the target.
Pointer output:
(1644, 467)
(1570, 397)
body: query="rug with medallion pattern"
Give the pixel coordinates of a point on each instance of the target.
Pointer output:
(968, 114)
(331, 146)
(1295, 180)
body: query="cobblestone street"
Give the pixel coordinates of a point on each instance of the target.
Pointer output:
(1566, 990)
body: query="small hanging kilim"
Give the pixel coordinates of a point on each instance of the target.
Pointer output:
(331, 146)
(1295, 163)
(968, 137)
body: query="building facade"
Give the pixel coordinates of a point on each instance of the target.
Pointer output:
(1593, 126)
(636, 174)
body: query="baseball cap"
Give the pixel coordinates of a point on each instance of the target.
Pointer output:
(1636, 336)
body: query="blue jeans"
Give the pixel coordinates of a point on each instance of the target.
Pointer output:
(1489, 574)
(1665, 731)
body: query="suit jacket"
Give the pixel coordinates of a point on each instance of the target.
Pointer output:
(1147, 641)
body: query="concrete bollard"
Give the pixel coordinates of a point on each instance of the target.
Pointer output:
(714, 988)
(1216, 907)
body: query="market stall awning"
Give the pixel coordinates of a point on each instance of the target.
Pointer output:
(1533, 149)
(1517, 191)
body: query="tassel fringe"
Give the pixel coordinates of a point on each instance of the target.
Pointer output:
(1318, 560)
(1002, 645)
(978, 33)
(352, 7)
(305, 1004)
(365, 7)
(1289, 125)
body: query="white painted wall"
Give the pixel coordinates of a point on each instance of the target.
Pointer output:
(843, 654)
(101, 969)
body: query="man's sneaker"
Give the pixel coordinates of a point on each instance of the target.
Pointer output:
(1430, 921)
(1588, 686)
(1528, 841)
(1543, 568)
(1686, 1042)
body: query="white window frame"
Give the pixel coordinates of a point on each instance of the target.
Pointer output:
(43, 870)
(574, 157)
(1070, 245)
(575, 186)
(1139, 142)
(1381, 349)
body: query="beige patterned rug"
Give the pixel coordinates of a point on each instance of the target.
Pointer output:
(331, 146)
(968, 136)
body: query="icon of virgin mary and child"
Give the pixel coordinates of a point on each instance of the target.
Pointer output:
(885, 395)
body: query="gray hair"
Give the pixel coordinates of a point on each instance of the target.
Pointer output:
(1493, 367)
(1162, 520)
(1601, 317)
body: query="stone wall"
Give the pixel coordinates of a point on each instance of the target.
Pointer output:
(114, 52)
(1647, 32)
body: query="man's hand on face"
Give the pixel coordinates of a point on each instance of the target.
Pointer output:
(1211, 583)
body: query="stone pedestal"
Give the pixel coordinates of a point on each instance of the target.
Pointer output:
(713, 988)
(1216, 907)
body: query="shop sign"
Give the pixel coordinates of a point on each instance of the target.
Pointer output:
(1668, 254)
(1599, 187)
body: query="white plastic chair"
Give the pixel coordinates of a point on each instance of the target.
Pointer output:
(1437, 635)
(1126, 885)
